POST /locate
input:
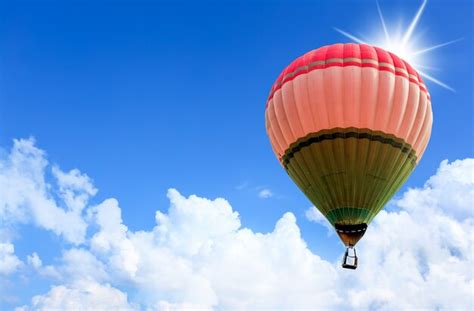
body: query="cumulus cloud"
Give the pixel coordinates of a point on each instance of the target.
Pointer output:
(265, 193)
(81, 296)
(200, 256)
(111, 241)
(450, 191)
(9, 262)
(25, 196)
(421, 256)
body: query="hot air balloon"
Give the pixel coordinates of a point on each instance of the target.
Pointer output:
(349, 123)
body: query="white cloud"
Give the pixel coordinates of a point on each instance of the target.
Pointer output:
(193, 223)
(199, 256)
(9, 263)
(421, 257)
(112, 240)
(75, 188)
(82, 296)
(34, 260)
(276, 270)
(80, 264)
(265, 193)
(25, 197)
(314, 215)
(450, 190)
(411, 262)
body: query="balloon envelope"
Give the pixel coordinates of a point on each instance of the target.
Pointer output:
(349, 123)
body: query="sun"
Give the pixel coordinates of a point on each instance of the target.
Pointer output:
(404, 45)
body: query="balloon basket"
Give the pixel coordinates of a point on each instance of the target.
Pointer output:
(350, 259)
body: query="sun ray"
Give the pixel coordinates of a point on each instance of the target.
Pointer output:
(434, 47)
(350, 36)
(419, 66)
(434, 80)
(413, 24)
(387, 36)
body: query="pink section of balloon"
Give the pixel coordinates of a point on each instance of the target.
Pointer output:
(350, 96)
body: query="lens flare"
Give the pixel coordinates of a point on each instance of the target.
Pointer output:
(404, 45)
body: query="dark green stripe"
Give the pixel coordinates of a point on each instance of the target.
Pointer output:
(341, 133)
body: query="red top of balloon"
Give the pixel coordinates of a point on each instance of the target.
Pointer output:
(349, 54)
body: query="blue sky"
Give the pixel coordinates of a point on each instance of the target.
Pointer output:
(146, 96)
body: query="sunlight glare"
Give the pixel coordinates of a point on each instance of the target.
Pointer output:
(404, 45)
